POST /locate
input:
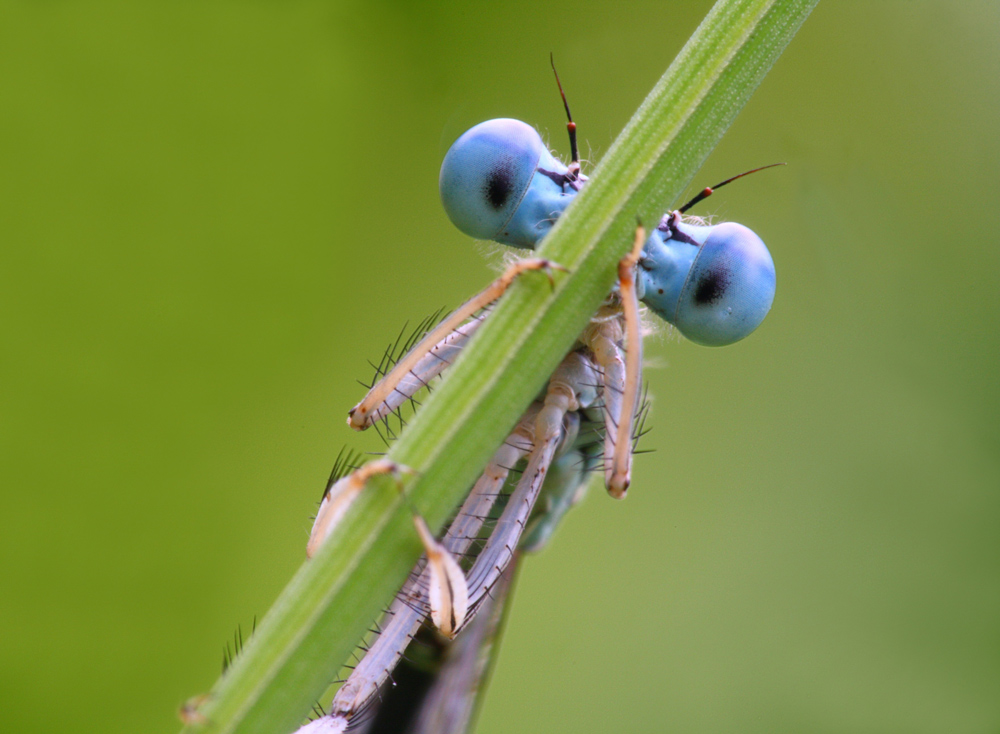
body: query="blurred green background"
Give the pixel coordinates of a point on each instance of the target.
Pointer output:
(212, 214)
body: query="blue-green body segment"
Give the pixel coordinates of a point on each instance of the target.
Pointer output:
(714, 283)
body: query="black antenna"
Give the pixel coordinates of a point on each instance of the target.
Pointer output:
(709, 190)
(570, 126)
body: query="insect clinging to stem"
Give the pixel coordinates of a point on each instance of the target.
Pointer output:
(714, 283)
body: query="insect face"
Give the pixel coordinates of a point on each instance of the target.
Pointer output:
(715, 284)
(499, 182)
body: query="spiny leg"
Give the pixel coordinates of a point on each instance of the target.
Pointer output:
(621, 464)
(437, 688)
(602, 338)
(362, 415)
(447, 592)
(565, 485)
(446, 588)
(339, 496)
(503, 541)
(432, 364)
(410, 607)
(620, 374)
(570, 388)
(450, 704)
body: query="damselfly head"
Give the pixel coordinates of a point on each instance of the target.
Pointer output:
(714, 283)
(499, 182)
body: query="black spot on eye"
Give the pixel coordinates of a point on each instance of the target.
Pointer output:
(711, 287)
(499, 184)
(660, 291)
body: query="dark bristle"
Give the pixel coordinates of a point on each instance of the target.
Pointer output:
(404, 342)
(375, 426)
(232, 651)
(346, 462)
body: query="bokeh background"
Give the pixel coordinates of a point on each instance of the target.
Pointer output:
(212, 214)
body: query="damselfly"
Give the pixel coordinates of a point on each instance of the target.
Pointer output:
(714, 283)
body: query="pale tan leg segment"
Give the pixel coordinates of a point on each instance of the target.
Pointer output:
(571, 388)
(573, 380)
(451, 703)
(447, 591)
(340, 496)
(621, 465)
(432, 364)
(362, 415)
(410, 608)
(602, 338)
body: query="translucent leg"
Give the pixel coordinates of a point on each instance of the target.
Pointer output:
(432, 364)
(446, 590)
(362, 415)
(572, 381)
(340, 496)
(621, 374)
(450, 704)
(565, 485)
(411, 607)
(602, 337)
(571, 388)
(621, 465)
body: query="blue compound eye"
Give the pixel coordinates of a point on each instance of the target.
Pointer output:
(715, 284)
(499, 182)
(730, 287)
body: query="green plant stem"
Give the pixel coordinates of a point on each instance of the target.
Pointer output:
(333, 598)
